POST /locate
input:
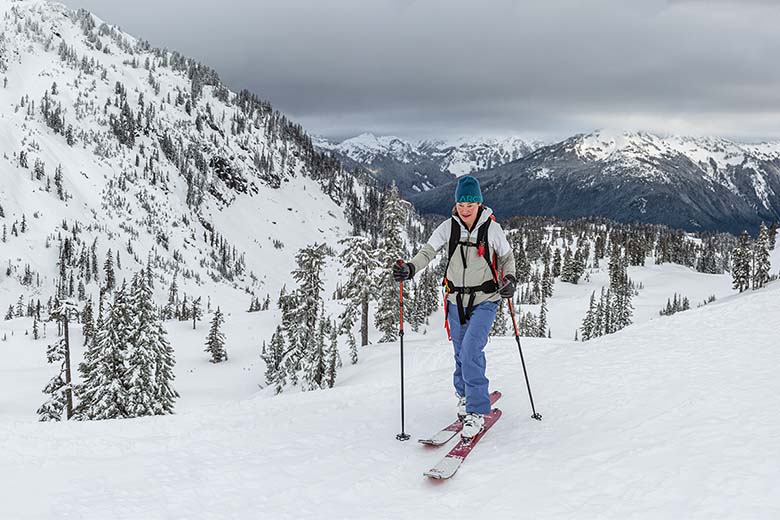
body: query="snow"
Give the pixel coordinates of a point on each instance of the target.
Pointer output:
(669, 418)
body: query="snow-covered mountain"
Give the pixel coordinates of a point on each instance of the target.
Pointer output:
(468, 155)
(146, 152)
(685, 182)
(421, 165)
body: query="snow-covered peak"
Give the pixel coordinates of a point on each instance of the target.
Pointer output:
(605, 145)
(467, 154)
(456, 156)
(367, 147)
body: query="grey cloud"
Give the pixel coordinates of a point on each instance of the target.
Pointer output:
(443, 68)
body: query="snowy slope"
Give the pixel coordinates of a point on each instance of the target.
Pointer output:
(136, 200)
(672, 418)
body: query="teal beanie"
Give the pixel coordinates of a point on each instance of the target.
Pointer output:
(468, 190)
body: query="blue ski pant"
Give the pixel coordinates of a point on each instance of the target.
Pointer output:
(469, 342)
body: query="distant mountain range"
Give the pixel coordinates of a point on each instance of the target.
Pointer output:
(685, 182)
(420, 166)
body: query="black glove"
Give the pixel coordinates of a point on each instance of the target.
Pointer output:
(403, 271)
(507, 289)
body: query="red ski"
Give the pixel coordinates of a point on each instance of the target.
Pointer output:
(443, 436)
(448, 465)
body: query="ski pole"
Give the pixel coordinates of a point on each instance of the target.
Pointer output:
(536, 415)
(403, 436)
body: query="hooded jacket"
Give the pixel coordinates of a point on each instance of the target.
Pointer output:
(476, 270)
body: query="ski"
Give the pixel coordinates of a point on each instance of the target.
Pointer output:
(448, 465)
(443, 436)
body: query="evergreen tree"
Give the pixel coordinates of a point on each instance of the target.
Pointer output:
(299, 319)
(333, 361)
(105, 393)
(567, 271)
(275, 374)
(215, 342)
(761, 262)
(140, 350)
(589, 322)
(392, 248)
(60, 388)
(740, 263)
(543, 319)
(88, 322)
(108, 269)
(196, 311)
(353, 352)
(57, 388)
(500, 325)
(314, 364)
(169, 312)
(547, 282)
(360, 260)
(556, 266)
(578, 266)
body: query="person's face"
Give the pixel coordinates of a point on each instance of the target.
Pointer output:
(467, 210)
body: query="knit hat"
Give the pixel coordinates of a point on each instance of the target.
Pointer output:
(468, 190)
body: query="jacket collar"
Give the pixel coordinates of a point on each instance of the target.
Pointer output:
(483, 215)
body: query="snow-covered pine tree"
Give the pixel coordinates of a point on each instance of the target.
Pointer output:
(140, 354)
(588, 323)
(542, 333)
(547, 282)
(500, 325)
(56, 388)
(105, 393)
(761, 261)
(578, 266)
(88, 322)
(392, 248)
(108, 270)
(353, 351)
(300, 315)
(215, 341)
(412, 313)
(556, 265)
(360, 260)
(333, 360)
(314, 363)
(567, 273)
(740, 263)
(60, 387)
(275, 374)
(170, 309)
(196, 312)
(599, 326)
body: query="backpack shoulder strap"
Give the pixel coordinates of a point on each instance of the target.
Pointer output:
(454, 238)
(484, 244)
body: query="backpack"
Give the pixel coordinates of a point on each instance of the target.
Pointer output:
(483, 250)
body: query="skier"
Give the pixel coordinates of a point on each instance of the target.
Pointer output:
(481, 271)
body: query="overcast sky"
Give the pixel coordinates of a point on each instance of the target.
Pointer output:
(541, 69)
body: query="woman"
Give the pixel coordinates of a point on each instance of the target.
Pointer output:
(481, 271)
